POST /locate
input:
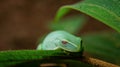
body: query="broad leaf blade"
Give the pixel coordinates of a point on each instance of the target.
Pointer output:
(8, 58)
(24, 55)
(107, 11)
(105, 46)
(33, 58)
(69, 24)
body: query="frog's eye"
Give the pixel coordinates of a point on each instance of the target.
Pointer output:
(64, 42)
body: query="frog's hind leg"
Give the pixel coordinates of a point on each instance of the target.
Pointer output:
(39, 47)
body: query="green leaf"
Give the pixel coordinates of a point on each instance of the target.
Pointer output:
(33, 58)
(105, 46)
(18, 56)
(70, 24)
(107, 11)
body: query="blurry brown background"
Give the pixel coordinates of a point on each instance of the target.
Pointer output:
(22, 22)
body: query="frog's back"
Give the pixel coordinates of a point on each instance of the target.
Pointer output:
(58, 34)
(49, 41)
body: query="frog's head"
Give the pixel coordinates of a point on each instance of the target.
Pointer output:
(70, 45)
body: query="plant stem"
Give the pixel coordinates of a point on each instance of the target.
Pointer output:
(97, 62)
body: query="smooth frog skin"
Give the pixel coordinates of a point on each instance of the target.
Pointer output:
(61, 40)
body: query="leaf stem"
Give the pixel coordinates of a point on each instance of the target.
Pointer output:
(96, 62)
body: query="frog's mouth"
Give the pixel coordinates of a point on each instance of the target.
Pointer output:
(69, 46)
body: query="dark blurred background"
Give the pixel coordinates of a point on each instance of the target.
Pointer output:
(22, 22)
